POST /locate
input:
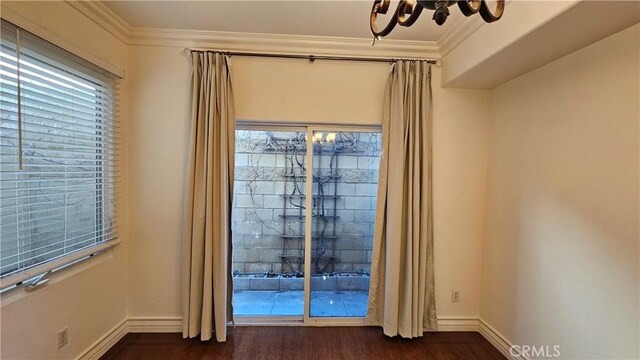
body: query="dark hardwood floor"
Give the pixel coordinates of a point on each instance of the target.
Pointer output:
(255, 343)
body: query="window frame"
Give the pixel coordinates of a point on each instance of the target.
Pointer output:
(105, 168)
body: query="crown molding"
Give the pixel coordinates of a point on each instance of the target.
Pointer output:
(458, 33)
(103, 17)
(278, 43)
(253, 42)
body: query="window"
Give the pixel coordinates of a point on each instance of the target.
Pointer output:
(56, 156)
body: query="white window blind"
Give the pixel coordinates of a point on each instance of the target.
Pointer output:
(57, 168)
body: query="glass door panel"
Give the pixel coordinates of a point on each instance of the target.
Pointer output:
(268, 223)
(345, 178)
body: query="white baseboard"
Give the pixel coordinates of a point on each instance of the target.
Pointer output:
(140, 324)
(106, 342)
(457, 323)
(131, 325)
(497, 340)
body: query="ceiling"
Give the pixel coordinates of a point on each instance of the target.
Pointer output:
(346, 18)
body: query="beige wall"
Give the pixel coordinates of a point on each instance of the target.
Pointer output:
(292, 91)
(91, 298)
(560, 262)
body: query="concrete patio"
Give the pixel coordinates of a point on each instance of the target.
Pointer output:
(291, 303)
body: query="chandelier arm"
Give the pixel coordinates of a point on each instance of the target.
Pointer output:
(381, 6)
(408, 11)
(488, 15)
(469, 7)
(414, 14)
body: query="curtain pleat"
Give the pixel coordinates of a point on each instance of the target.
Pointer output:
(401, 295)
(206, 276)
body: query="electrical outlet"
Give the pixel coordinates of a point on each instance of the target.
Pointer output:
(63, 338)
(455, 296)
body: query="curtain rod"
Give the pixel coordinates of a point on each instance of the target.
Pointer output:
(311, 58)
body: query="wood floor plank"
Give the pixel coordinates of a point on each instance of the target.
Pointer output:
(276, 343)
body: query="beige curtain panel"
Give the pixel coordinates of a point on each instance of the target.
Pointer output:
(401, 296)
(206, 276)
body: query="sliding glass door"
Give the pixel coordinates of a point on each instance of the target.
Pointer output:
(268, 222)
(299, 258)
(345, 178)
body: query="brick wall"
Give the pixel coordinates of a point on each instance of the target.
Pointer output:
(262, 235)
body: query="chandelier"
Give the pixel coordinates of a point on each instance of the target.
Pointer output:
(408, 11)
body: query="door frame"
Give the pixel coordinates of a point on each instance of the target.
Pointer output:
(306, 319)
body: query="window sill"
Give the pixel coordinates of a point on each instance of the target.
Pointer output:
(15, 293)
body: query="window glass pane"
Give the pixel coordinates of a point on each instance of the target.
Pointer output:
(57, 113)
(268, 223)
(345, 184)
(269, 215)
